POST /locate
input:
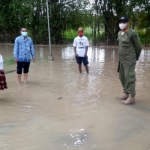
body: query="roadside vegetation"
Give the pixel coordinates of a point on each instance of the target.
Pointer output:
(9, 61)
(99, 19)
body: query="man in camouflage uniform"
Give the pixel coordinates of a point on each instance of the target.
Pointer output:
(129, 51)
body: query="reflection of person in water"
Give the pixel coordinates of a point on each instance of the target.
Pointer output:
(3, 84)
(81, 44)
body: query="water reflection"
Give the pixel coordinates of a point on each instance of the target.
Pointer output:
(41, 52)
(78, 136)
(67, 53)
(145, 56)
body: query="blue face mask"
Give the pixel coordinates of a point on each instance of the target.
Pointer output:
(24, 33)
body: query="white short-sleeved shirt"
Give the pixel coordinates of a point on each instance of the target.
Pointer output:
(81, 43)
(1, 62)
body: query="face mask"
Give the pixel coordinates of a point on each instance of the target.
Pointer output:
(122, 26)
(80, 33)
(24, 33)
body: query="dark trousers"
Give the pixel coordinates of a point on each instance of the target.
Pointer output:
(23, 66)
(83, 60)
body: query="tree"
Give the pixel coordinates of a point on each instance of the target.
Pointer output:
(66, 15)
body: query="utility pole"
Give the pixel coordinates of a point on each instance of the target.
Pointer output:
(50, 57)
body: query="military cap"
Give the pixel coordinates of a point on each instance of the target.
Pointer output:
(124, 19)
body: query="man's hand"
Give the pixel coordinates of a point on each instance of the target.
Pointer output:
(76, 54)
(85, 55)
(33, 59)
(15, 60)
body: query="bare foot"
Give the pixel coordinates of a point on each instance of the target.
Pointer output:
(25, 81)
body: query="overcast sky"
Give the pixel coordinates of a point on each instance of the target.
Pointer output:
(91, 1)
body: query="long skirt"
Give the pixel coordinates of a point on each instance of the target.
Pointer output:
(3, 84)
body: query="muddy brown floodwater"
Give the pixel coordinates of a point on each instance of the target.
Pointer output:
(60, 109)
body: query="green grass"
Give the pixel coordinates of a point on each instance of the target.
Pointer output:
(9, 61)
(71, 34)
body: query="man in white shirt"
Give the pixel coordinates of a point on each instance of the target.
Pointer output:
(80, 45)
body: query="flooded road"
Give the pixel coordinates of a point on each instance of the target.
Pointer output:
(60, 109)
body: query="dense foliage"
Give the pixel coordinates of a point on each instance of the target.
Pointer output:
(101, 17)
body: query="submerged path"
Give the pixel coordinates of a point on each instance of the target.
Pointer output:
(60, 109)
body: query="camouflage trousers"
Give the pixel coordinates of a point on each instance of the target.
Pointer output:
(127, 77)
